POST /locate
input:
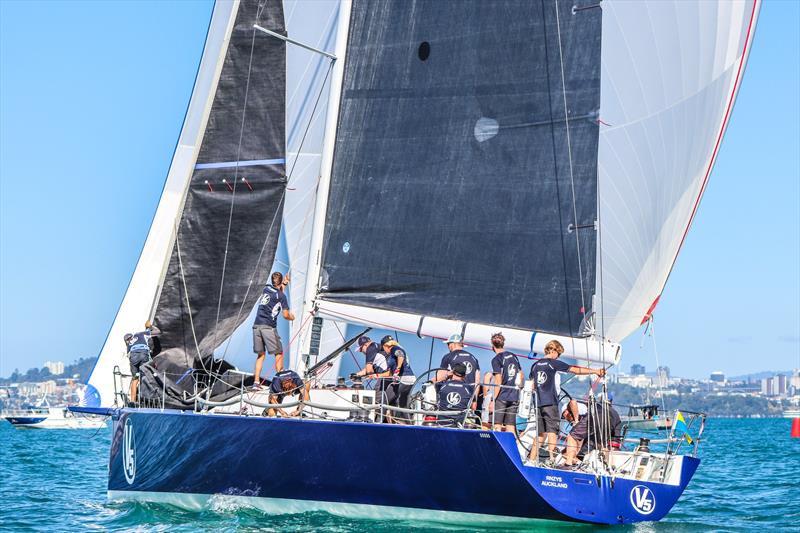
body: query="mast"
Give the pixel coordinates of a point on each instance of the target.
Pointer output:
(326, 168)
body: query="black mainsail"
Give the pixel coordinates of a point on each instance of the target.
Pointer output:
(456, 187)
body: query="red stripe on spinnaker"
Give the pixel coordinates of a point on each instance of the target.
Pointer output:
(713, 156)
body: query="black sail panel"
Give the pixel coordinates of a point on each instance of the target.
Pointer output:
(246, 124)
(452, 189)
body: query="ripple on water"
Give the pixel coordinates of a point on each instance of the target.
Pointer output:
(55, 481)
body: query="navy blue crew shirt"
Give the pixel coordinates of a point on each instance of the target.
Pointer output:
(269, 307)
(464, 357)
(543, 374)
(507, 365)
(276, 387)
(454, 396)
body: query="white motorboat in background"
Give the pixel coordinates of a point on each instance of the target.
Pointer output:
(45, 416)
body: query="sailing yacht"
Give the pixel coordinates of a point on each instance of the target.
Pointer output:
(435, 168)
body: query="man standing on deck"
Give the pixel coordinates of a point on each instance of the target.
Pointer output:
(457, 355)
(265, 326)
(543, 374)
(141, 347)
(507, 373)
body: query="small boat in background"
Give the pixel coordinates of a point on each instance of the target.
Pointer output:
(44, 416)
(646, 417)
(792, 412)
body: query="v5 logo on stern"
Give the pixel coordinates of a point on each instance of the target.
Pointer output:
(643, 499)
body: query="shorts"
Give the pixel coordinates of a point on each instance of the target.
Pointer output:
(505, 413)
(548, 419)
(266, 339)
(137, 359)
(581, 429)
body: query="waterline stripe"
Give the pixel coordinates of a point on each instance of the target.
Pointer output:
(233, 164)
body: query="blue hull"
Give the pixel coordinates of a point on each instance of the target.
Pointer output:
(23, 421)
(171, 453)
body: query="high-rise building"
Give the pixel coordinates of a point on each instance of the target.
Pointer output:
(637, 370)
(766, 386)
(56, 368)
(717, 377)
(662, 376)
(781, 383)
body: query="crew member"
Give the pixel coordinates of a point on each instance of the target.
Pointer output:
(287, 383)
(265, 326)
(370, 349)
(507, 376)
(543, 374)
(403, 376)
(593, 428)
(382, 371)
(454, 395)
(456, 355)
(141, 348)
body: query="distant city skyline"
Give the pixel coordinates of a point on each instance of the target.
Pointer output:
(91, 110)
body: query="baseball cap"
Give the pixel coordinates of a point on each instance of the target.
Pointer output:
(362, 340)
(460, 369)
(454, 338)
(386, 339)
(128, 337)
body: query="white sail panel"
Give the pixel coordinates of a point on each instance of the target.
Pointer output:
(588, 348)
(670, 72)
(138, 302)
(307, 91)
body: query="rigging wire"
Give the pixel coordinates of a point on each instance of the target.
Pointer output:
(555, 164)
(274, 218)
(658, 365)
(235, 179)
(186, 295)
(569, 153)
(574, 200)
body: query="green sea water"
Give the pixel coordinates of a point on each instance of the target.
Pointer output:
(54, 480)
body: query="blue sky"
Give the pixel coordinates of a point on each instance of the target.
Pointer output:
(92, 97)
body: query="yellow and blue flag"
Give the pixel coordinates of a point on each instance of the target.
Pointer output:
(680, 425)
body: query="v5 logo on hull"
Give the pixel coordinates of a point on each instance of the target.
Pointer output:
(643, 499)
(129, 452)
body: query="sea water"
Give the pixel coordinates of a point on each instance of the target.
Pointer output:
(55, 480)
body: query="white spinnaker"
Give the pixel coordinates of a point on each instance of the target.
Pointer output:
(669, 76)
(138, 302)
